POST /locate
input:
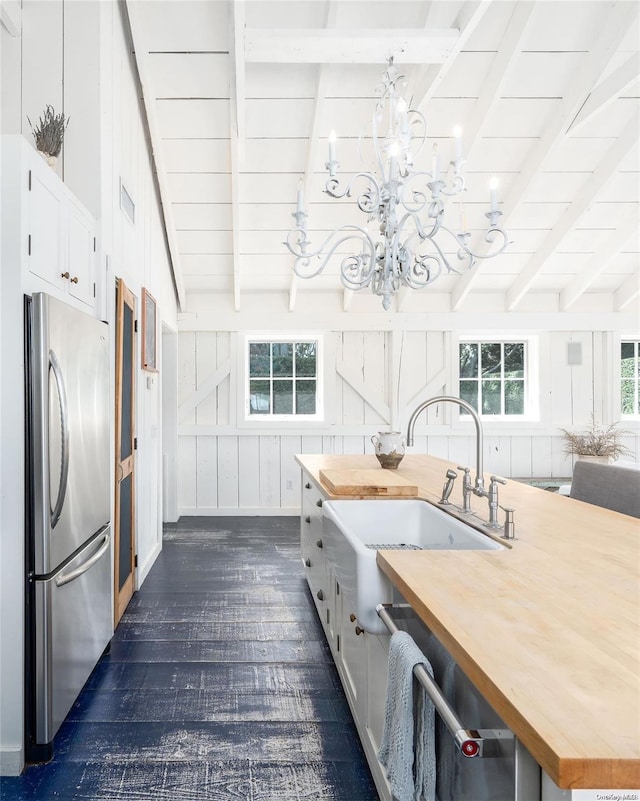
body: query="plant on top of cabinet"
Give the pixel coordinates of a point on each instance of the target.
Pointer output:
(49, 134)
(603, 442)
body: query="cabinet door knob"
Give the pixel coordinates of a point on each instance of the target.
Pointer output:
(352, 618)
(319, 502)
(74, 280)
(307, 519)
(307, 562)
(359, 631)
(64, 275)
(307, 485)
(320, 595)
(319, 543)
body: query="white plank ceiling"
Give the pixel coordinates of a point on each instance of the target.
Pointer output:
(241, 97)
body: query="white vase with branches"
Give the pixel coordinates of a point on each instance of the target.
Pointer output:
(596, 442)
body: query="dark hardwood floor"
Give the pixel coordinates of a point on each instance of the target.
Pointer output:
(219, 685)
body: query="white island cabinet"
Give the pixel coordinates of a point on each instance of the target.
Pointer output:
(361, 660)
(509, 622)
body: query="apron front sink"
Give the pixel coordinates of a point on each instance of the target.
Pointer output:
(354, 530)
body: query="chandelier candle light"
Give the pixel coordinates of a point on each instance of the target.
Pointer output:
(407, 204)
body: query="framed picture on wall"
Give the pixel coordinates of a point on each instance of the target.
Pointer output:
(149, 332)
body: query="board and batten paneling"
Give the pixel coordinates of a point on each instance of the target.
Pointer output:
(373, 382)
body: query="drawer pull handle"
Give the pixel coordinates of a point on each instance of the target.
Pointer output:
(307, 485)
(320, 595)
(307, 519)
(319, 502)
(319, 543)
(307, 562)
(359, 631)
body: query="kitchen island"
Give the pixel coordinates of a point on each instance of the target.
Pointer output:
(546, 629)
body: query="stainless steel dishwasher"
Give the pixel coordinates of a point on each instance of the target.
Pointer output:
(501, 769)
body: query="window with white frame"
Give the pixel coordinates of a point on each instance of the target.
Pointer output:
(497, 377)
(283, 378)
(630, 378)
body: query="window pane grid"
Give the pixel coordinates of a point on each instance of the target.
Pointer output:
(630, 378)
(282, 378)
(492, 377)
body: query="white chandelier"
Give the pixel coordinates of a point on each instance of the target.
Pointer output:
(408, 206)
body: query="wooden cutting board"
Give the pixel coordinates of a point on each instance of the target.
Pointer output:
(367, 482)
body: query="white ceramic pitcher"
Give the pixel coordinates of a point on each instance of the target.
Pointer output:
(389, 448)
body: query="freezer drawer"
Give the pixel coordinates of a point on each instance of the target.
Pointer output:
(74, 624)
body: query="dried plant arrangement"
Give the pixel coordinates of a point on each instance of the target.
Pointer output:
(596, 440)
(49, 132)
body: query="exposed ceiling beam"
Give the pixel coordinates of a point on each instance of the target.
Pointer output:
(355, 46)
(347, 299)
(312, 148)
(490, 94)
(293, 292)
(628, 292)
(575, 210)
(11, 16)
(608, 91)
(235, 217)
(611, 32)
(237, 72)
(402, 296)
(236, 133)
(499, 73)
(136, 27)
(331, 15)
(599, 261)
(428, 79)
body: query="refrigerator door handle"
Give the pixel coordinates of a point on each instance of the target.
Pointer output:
(64, 426)
(67, 578)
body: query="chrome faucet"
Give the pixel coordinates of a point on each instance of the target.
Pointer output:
(494, 503)
(467, 490)
(478, 489)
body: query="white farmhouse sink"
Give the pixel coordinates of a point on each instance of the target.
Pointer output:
(353, 531)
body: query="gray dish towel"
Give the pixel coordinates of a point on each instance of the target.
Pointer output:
(410, 761)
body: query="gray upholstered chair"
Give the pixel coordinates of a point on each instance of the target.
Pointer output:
(613, 486)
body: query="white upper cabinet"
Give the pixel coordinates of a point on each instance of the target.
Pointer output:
(58, 235)
(81, 254)
(45, 224)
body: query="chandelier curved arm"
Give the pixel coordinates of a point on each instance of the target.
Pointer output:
(417, 119)
(466, 258)
(455, 186)
(364, 262)
(414, 200)
(423, 267)
(494, 235)
(421, 231)
(368, 200)
(423, 271)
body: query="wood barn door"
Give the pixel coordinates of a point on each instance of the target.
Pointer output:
(124, 515)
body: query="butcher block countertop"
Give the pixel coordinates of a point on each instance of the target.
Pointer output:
(548, 630)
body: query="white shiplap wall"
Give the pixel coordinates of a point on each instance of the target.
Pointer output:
(373, 378)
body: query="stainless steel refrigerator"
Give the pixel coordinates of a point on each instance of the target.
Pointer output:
(69, 565)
